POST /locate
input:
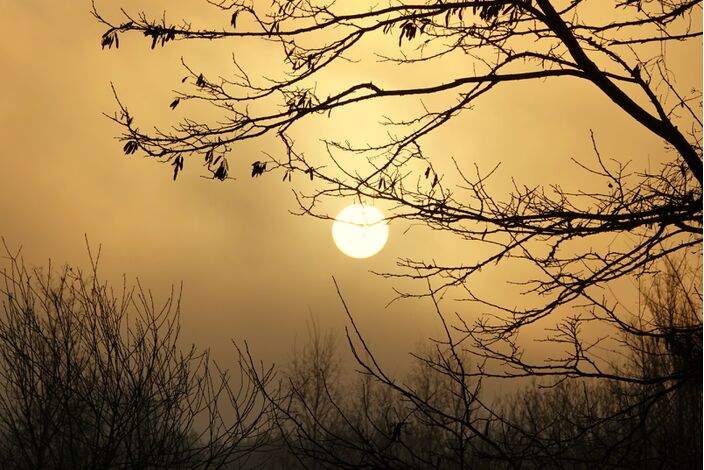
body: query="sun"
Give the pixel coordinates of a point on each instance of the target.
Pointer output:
(360, 231)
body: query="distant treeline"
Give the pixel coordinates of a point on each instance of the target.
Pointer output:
(95, 378)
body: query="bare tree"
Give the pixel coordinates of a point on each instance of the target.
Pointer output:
(437, 416)
(578, 242)
(90, 378)
(431, 417)
(503, 41)
(311, 386)
(587, 423)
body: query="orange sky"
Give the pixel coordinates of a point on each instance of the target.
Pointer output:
(250, 269)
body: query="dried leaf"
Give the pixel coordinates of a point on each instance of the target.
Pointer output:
(130, 147)
(221, 172)
(258, 168)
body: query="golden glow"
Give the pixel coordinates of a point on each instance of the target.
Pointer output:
(360, 231)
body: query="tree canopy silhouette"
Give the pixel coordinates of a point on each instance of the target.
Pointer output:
(566, 235)
(92, 377)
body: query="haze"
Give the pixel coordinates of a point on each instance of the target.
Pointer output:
(250, 270)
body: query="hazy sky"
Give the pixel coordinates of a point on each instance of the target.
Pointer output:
(250, 269)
